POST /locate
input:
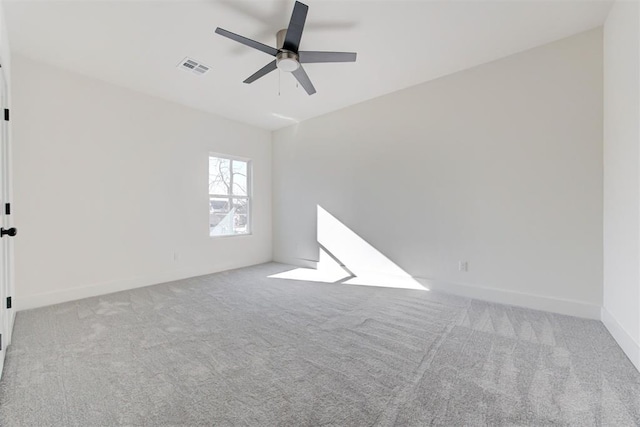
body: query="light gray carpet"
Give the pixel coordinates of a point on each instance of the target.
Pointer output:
(238, 348)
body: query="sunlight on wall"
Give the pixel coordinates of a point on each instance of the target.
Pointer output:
(363, 264)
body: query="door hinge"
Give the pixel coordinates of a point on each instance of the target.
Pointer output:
(6, 114)
(8, 302)
(7, 208)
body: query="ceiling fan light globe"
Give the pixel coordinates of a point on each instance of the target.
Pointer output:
(288, 64)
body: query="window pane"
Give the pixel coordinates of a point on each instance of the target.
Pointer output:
(220, 220)
(228, 216)
(241, 216)
(239, 178)
(219, 175)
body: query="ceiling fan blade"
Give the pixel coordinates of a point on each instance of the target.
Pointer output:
(309, 57)
(296, 25)
(261, 72)
(303, 79)
(247, 42)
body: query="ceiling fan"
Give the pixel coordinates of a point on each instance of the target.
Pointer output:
(288, 55)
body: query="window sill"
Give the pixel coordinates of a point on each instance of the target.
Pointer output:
(226, 236)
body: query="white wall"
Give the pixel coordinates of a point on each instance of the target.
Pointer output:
(621, 312)
(499, 165)
(110, 183)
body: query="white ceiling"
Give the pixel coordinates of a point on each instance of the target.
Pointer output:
(137, 44)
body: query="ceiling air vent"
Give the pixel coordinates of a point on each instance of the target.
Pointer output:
(193, 66)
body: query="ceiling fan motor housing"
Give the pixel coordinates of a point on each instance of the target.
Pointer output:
(285, 59)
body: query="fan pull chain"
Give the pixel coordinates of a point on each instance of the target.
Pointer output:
(279, 81)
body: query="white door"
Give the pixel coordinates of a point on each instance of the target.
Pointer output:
(6, 230)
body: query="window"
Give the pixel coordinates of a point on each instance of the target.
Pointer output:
(229, 196)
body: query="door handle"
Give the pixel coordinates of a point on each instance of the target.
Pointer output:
(10, 231)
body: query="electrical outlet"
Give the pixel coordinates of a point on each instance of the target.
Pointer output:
(463, 266)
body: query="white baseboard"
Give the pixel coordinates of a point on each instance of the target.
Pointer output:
(501, 296)
(519, 299)
(536, 302)
(630, 347)
(296, 262)
(27, 302)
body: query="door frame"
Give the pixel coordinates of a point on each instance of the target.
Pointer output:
(6, 193)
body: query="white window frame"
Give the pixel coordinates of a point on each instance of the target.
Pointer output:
(248, 197)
